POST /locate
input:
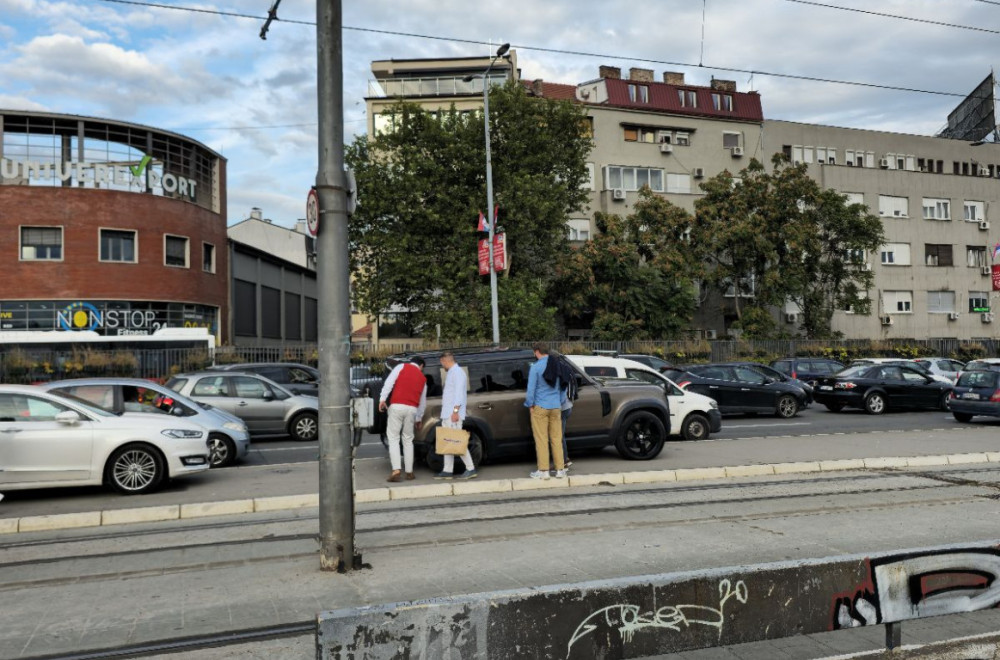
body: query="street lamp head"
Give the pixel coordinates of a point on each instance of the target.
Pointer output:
(502, 50)
(468, 78)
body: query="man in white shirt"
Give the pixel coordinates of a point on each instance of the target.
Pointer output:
(453, 399)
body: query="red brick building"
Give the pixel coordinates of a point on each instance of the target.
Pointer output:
(108, 226)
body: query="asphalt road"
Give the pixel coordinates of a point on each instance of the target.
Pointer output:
(812, 421)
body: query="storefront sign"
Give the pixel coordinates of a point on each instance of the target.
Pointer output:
(105, 174)
(105, 317)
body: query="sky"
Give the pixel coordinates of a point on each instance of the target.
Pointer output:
(212, 78)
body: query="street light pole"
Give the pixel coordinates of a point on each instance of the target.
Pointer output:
(494, 306)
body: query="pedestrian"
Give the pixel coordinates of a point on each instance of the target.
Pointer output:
(545, 402)
(453, 399)
(406, 390)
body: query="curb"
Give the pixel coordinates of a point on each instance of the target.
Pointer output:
(113, 517)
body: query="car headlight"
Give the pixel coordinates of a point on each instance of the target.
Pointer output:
(235, 426)
(182, 433)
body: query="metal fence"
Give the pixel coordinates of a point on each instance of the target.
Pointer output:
(23, 366)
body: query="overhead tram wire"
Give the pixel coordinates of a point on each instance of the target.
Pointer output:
(898, 17)
(558, 51)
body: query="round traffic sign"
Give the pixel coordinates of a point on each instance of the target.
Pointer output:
(312, 212)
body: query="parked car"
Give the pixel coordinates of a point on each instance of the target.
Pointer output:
(740, 389)
(878, 387)
(940, 366)
(47, 441)
(692, 416)
(632, 416)
(912, 364)
(771, 372)
(809, 370)
(649, 360)
(990, 364)
(296, 378)
(976, 392)
(267, 408)
(364, 381)
(228, 438)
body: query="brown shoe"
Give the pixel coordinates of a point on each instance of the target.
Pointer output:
(410, 476)
(395, 477)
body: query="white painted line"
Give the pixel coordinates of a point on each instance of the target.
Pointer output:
(762, 426)
(313, 448)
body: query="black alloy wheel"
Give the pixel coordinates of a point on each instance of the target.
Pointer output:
(641, 436)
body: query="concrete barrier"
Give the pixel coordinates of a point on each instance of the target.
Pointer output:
(653, 615)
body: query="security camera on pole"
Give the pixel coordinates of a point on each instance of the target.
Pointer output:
(489, 186)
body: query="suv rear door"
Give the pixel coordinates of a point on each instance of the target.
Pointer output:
(496, 395)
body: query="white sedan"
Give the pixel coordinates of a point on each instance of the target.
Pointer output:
(48, 441)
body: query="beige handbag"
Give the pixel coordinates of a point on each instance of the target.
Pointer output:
(451, 441)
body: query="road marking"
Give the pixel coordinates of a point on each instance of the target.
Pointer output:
(760, 426)
(313, 448)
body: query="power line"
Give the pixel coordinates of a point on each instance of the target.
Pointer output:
(557, 51)
(901, 18)
(989, 2)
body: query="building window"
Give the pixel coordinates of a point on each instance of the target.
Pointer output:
(826, 155)
(746, 288)
(117, 245)
(311, 320)
(688, 98)
(859, 158)
(587, 127)
(979, 301)
(678, 183)
(175, 251)
(975, 256)
(854, 256)
(270, 312)
(854, 198)
(588, 184)
(731, 140)
(722, 102)
(293, 316)
(898, 301)
(578, 230)
(940, 302)
(635, 134)
(896, 254)
(633, 178)
(894, 206)
(41, 243)
(208, 257)
(938, 255)
(245, 308)
(638, 93)
(937, 209)
(682, 138)
(975, 211)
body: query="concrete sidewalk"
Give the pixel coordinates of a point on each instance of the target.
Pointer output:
(243, 490)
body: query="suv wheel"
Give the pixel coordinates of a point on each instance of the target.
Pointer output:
(695, 427)
(641, 436)
(435, 461)
(305, 427)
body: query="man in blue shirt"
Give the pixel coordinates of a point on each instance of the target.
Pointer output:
(544, 400)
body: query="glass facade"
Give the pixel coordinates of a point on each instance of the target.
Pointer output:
(106, 317)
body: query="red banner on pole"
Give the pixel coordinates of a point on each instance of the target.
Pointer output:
(499, 252)
(484, 257)
(996, 277)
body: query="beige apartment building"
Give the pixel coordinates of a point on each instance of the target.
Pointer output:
(934, 195)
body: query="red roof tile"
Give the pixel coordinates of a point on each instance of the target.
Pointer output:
(664, 98)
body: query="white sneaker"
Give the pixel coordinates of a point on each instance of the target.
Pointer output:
(560, 474)
(539, 474)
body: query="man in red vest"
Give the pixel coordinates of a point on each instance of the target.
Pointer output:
(406, 390)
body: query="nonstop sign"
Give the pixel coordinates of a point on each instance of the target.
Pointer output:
(108, 318)
(85, 316)
(141, 175)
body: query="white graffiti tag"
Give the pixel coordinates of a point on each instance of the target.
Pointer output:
(630, 619)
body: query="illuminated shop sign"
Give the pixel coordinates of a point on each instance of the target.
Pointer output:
(85, 316)
(105, 317)
(106, 174)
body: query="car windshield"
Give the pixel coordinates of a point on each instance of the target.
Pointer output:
(977, 379)
(853, 372)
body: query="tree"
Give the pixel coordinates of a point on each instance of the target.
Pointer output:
(778, 237)
(421, 187)
(633, 279)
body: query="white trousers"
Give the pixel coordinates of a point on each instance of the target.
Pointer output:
(399, 428)
(449, 459)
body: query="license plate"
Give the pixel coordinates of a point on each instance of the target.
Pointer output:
(826, 387)
(970, 395)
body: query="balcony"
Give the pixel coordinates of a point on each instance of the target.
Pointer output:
(438, 86)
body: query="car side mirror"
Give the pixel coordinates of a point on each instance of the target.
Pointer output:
(268, 395)
(68, 417)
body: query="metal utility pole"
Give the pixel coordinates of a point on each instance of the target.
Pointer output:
(336, 452)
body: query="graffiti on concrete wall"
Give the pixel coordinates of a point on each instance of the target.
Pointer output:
(903, 587)
(627, 619)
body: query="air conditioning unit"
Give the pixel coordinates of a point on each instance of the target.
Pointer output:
(618, 194)
(984, 224)
(711, 334)
(791, 317)
(883, 163)
(983, 171)
(666, 148)
(986, 270)
(699, 172)
(987, 317)
(952, 316)
(886, 319)
(737, 152)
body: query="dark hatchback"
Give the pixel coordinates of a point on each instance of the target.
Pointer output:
(877, 388)
(741, 389)
(771, 372)
(976, 393)
(808, 369)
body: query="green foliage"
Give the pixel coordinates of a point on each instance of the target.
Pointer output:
(633, 279)
(967, 352)
(782, 237)
(421, 187)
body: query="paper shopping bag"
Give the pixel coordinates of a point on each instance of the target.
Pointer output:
(451, 441)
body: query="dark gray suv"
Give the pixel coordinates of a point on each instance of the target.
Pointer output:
(631, 415)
